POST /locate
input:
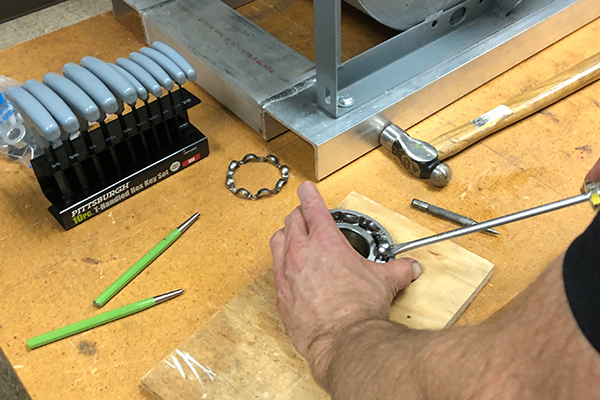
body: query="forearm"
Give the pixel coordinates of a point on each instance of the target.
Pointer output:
(382, 359)
(533, 350)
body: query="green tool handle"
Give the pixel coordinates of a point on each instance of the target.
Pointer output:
(90, 323)
(136, 268)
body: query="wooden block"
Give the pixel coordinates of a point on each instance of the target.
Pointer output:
(243, 351)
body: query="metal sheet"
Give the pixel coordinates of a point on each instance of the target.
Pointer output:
(237, 62)
(339, 141)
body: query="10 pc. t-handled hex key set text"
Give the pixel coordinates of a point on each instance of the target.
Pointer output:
(86, 165)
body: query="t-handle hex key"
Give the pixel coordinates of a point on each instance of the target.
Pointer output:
(176, 58)
(121, 88)
(161, 77)
(592, 195)
(172, 69)
(63, 115)
(45, 131)
(142, 94)
(181, 62)
(151, 86)
(85, 110)
(102, 96)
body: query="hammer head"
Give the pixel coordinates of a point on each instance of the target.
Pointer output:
(419, 158)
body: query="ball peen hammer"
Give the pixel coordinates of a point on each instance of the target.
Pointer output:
(423, 160)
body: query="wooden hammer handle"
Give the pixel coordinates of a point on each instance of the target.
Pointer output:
(517, 108)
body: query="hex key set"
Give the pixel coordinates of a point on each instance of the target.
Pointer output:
(88, 164)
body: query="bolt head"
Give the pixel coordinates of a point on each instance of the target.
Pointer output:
(441, 175)
(345, 101)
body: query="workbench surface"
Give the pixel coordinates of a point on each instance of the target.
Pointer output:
(49, 277)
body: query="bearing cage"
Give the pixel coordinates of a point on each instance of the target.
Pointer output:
(371, 232)
(244, 193)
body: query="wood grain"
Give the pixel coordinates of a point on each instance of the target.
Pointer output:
(519, 107)
(49, 277)
(245, 344)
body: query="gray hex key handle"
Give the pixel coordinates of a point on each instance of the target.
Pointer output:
(154, 69)
(44, 127)
(151, 85)
(166, 63)
(93, 86)
(85, 109)
(61, 112)
(177, 59)
(117, 83)
(75, 97)
(68, 122)
(142, 93)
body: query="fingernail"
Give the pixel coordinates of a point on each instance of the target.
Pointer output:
(417, 269)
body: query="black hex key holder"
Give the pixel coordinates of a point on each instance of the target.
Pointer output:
(104, 166)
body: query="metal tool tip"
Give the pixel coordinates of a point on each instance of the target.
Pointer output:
(419, 204)
(495, 232)
(97, 304)
(185, 226)
(167, 296)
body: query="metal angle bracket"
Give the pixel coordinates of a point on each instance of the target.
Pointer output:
(428, 78)
(403, 80)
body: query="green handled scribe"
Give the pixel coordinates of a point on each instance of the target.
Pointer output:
(139, 266)
(98, 320)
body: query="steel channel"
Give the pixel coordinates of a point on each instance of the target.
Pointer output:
(237, 62)
(339, 141)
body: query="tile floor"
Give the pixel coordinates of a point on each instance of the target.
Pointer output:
(50, 19)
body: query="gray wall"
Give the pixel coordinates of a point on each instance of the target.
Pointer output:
(10, 9)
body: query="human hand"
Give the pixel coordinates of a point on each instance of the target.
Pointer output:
(324, 287)
(594, 174)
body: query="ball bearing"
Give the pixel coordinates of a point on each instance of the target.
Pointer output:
(366, 235)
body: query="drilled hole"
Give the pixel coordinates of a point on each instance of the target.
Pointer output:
(458, 16)
(327, 97)
(434, 24)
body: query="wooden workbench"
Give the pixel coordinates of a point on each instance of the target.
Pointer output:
(48, 277)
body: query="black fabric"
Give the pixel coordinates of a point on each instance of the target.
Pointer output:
(581, 273)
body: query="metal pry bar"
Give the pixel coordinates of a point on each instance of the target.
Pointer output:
(593, 196)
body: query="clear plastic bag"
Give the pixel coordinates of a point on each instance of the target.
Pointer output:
(15, 140)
